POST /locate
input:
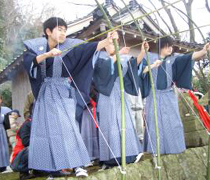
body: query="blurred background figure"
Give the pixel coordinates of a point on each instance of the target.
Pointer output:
(14, 126)
(4, 151)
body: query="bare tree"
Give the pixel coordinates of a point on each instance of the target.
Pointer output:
(160, 16)
(8, 20)
(207, 6)
(189, 19)
(169, 13)
(17, 23)
(188, 7)
(80, 4)
(186, 15)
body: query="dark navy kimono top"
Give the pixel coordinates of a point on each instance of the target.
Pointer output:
(181, 74)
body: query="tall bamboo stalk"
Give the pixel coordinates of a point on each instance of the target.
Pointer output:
(208, 161)
(153, 94)
(123, 153)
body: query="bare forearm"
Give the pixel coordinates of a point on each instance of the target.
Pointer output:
(41, 57)
(102, 44)
(140, 57)
(146, 69)
(199, 55)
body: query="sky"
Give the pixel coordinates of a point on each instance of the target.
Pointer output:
(70, 12)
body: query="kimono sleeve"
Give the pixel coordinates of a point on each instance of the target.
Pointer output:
(131, 82)
(33, 70)
(24, 133)
(144, 80)
(79, 63)
(182, 71)
(104, 77)
(30, 63)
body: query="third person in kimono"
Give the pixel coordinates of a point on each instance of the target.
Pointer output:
(109, 104)
(167, 70)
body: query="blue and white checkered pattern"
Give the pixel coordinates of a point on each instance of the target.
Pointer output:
(170, 126)
(56, 142)
(109, 108)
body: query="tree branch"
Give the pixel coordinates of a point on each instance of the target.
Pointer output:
(207, 5)
(188, 7)
(168, 11)
(161, 17)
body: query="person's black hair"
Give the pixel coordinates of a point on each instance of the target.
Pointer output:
(164, 42)
(53, 22)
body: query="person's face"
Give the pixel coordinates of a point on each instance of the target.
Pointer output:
(110, 49)
(167, 50)
(58, 34)
(14, 114)
(0, 100)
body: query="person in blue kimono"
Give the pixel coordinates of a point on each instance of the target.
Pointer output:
(89, 127)
(168, 70)
(107, 83)
(4, 149)
(55, 141)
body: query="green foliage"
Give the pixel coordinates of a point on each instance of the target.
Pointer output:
(3, 63)
(198, 86)
(14, 29)
(15, 176)
(28, 32)
(5, 91)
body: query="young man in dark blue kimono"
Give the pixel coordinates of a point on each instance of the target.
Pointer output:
(55, 141)
(107, 83)
(167, 70)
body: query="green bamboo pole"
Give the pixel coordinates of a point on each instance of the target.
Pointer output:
(123, 153)
(153, 94)
(208, 160)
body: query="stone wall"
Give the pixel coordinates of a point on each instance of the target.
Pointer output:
(195, 133)
(190, 165)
